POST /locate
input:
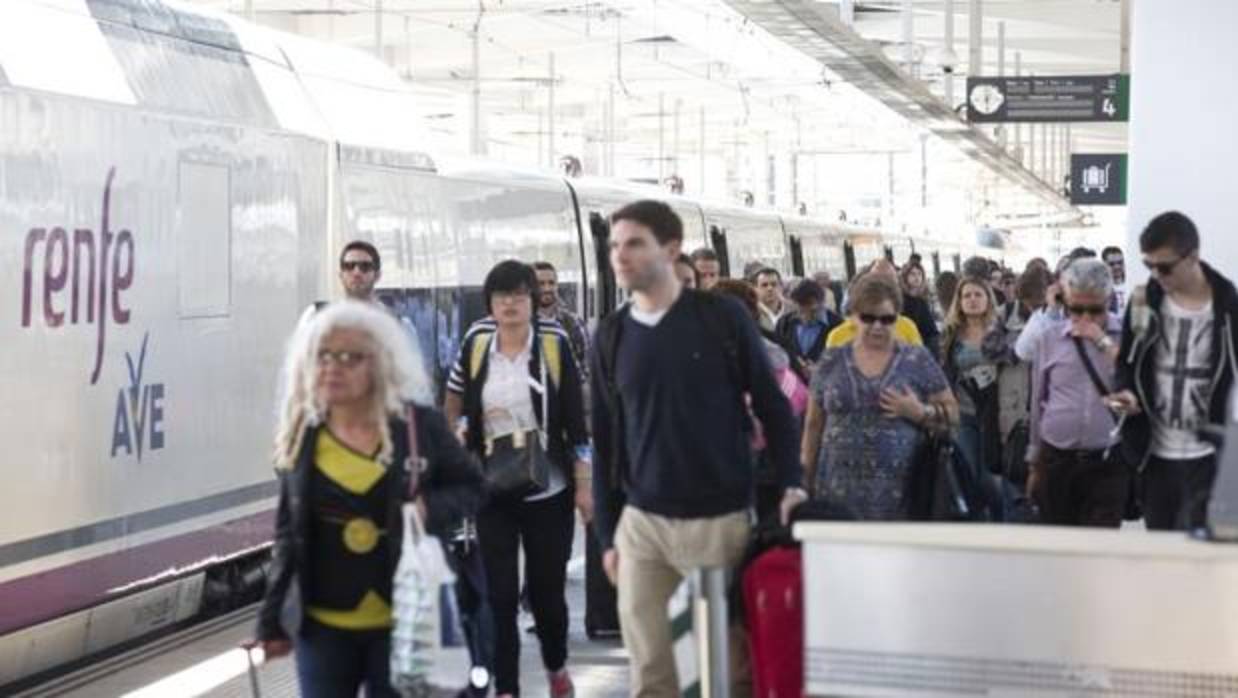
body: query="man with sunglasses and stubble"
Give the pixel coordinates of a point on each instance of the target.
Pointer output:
(1175, 369)
(360, 270)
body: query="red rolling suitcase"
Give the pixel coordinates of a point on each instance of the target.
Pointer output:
(774, 607)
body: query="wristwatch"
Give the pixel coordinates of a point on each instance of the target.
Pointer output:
(1104, 343)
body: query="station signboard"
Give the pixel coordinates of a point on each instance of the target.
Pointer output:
(1048, 99)
(1098, 179)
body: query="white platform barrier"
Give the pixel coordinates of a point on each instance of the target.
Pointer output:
(988, 610)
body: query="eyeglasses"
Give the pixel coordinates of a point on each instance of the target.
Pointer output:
(347, 359)
(511, 296)
(365, 267)
(1086, 309)
(1162, 268)
(869, 319)
(1116, 262)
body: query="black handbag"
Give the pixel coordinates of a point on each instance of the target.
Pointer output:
(517, 464)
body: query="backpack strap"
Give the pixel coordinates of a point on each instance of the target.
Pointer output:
(723, 329)
(609, 331)
(553, 356)
(477, 352)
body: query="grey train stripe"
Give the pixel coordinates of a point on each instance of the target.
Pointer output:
(82, 536)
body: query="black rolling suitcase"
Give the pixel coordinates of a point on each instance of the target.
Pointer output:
(601, 605)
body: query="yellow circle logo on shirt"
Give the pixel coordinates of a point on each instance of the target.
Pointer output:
(360, 535)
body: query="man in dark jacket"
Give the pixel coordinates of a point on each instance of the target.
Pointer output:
(804, 330)
(1175, 369)
(672, 435)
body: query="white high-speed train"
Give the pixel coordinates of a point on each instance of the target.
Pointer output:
(174, 187)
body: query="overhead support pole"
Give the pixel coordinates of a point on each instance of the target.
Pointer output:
(975, 39)
(846, 12)
(701, 154)
(947, 77)
(610, 130)
(249, 10)
(1124, 50)
(550, 114)
(378, 29)
(675, 138)
(1001, 71)
(476, 142)
(661, 136)
(1067, 148)
(1018, 128)
(909, 37)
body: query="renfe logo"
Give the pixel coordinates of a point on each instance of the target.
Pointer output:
(88, 267)
(139, 410)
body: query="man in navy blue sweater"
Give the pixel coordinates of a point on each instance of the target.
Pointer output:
(673, 467)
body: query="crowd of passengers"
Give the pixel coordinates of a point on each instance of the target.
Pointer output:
(708, 407)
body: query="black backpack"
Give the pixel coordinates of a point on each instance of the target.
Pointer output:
(720, 325)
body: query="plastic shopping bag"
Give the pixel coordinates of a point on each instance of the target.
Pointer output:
(417, 593)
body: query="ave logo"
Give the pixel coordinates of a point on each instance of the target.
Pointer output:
(138, 424)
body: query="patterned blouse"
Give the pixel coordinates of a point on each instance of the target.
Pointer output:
(865, 456)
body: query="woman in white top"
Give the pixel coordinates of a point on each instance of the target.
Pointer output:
(515, 375)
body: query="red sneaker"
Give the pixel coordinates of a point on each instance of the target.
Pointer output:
(561, 685)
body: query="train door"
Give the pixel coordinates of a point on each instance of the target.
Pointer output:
(849, 259)
(936, 264)
(797, 255)
(606, 292)
(717, 238)
(958, 263)
(888, 252)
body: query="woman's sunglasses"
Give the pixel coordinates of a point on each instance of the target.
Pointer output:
(869, 319)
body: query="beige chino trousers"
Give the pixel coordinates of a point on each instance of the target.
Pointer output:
(655, 554)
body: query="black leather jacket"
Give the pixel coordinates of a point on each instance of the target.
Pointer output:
(451, 485)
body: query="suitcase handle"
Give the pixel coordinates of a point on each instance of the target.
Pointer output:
(249, 646)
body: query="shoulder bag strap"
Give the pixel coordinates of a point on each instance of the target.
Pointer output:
(415, 465)
(1091, 369)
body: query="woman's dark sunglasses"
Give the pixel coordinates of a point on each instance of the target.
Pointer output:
(1086, 309)
(869, 318)
(363, 266)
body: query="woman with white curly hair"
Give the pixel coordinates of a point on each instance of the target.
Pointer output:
(341, 452)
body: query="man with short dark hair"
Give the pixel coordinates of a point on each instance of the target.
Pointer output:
(550, 306)
(1175, 369)
(806, 329)
(673, 470)
(708, 268)
(360, 270)
(686, 272)
(769, 295)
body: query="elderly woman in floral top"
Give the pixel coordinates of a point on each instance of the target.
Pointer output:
(873, 400)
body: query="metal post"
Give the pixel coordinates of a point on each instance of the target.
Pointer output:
(701, 154)
(890, 185)
(661, 136)
(675, 138)
(846, 12)
(1044, 151)
(1124, 50)
(1030, 161)
(975, 39)
(909, 37)
(924, 170)
(378, 28)
(249, 10)
(1001, 71)
(550, 115)
(947, 78)
(771, 183)
(475, 140)
(712, 582)
(1067, 148)
(1018, 128)
(610, 130)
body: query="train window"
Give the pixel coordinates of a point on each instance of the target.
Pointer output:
(204, 240)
